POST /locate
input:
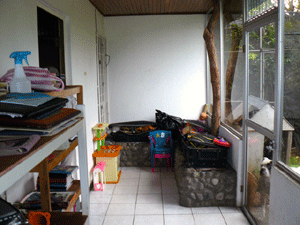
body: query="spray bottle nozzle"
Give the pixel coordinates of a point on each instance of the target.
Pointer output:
(19, 56)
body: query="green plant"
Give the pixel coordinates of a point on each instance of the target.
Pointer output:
(295, 161)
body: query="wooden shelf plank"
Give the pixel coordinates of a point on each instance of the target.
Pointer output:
(63, 218)
(75, 187)
(45, 187)
(68, 91)
(62, 154)
(59, 155)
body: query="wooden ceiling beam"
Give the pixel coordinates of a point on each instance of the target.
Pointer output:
(157, 7)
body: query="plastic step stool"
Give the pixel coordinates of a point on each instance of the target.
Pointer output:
(99, 170)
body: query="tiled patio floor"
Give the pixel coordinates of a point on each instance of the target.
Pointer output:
(145, 198)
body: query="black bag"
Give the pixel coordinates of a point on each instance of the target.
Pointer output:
(167, 122)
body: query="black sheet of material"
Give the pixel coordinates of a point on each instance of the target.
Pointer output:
(32, 111)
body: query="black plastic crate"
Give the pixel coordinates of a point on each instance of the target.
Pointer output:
(213, 164)
(210, 157)
(132, 124)
(198, 123)
(130, 136)
(120, 136)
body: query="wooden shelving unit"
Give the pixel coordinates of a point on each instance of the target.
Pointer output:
(12, 168)
(59, 155)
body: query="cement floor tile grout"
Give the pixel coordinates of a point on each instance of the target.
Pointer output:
(139, 177)
(223, 216)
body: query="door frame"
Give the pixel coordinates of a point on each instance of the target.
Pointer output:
(272, 16)
(67, 36)
(103, 111)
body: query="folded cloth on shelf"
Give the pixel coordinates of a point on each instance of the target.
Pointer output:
(41, 79)
(17, 145)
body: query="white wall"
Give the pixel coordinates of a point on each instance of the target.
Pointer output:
(18, 31)
(157, 62)
(235, 159)
(284, 199)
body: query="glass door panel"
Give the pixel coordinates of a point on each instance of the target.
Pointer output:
(269, 76)
(262, 76)
(260, 150)
(290, 152)
(259, 126)
(234, 70)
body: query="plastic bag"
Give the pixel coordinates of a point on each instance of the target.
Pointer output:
(41, 79)
(167, 122)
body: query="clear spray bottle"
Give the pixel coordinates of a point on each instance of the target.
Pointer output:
(20, 83)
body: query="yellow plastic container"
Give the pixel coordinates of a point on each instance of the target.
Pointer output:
(111, 156)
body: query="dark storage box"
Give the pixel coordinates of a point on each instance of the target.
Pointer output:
(130, 135)
(199, 124)
(204, 157)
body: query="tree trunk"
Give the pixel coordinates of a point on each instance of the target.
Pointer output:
(208, 36)
(237, 35)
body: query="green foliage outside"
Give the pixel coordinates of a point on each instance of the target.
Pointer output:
(295, 161)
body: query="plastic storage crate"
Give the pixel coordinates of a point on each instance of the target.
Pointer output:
(210, 157)
(130, 131)
(199, 124)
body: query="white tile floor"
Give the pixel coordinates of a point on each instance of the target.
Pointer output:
(145, 198)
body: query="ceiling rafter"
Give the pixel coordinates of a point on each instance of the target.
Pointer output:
(158, 7)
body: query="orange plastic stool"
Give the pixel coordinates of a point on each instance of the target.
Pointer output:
(39, 218)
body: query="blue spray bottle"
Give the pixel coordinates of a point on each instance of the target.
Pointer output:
(20, 83)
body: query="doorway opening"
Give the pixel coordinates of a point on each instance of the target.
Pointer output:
(51, 43)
